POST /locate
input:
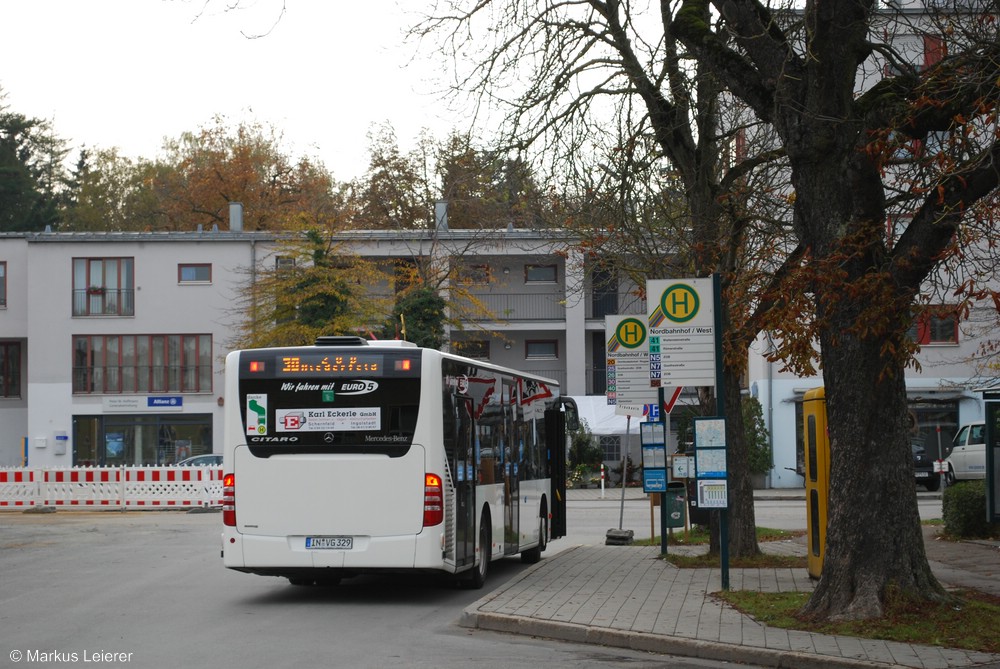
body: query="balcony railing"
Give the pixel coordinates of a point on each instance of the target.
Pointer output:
(537, 306)
(96, 301)
(554, 374)
(610, 304)
(521, 307)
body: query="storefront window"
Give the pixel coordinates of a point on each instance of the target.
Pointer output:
(139, 439)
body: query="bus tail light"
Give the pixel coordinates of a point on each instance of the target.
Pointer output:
(433, 500)
(229, 500)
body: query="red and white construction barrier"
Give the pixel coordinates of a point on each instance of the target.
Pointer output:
(112, 487)
(80, 487)
(17, 488)
(173, 486)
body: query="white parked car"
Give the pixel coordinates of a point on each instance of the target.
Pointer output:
(211, 460)
(967, 459)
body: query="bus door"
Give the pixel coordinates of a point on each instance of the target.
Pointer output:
(555, 447)
(459, 444)
(511, 470)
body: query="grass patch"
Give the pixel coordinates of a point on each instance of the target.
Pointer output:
(972, 622)
(762, 561)
(699, 536)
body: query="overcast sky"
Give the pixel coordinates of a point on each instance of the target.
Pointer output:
(128, 73)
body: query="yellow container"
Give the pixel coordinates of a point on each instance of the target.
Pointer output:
(817, 452)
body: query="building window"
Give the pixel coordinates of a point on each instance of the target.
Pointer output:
(112, 364)
(3, 284)
(10, 369)
(284, 263)
(541, 348)
(936, 326)
(194, 273)
(475, 275)
(140, 439)
(604, 294)
(477, 349)
(103, 287)
(935, 50)
(540, 273)
(611, 448)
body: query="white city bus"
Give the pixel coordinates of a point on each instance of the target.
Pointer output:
(351, 457)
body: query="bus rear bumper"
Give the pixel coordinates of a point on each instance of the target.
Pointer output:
(264, 554)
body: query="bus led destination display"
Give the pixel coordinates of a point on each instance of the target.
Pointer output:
(329, 364)
(302, 362)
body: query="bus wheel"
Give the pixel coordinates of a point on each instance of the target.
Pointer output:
(478, 575)
(543, 539)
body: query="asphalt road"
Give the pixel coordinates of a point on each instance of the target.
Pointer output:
(148, 589)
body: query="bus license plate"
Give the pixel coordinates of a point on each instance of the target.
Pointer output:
(335, 543)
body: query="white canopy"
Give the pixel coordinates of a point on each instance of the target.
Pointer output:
(601, 418)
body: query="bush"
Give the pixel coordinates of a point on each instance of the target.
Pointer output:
(583, 450)
(631, 471)
(583, 476)
(964, 511)
(756, 435)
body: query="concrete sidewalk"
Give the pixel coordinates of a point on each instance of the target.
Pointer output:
(625, 596)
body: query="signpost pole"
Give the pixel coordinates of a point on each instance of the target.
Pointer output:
(665, 419)
(720, 405)
(991, 403)
(621, 512)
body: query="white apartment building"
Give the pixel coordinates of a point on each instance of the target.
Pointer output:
(112, 344)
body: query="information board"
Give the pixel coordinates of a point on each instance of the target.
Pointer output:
(628, 386)
(681, 331)
(654, 456)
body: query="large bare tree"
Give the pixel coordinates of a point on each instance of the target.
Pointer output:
(798, 70)
(584, 80)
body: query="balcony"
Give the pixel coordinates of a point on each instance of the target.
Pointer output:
(521, 307)
(558, 375)
(610, 304)
(97, 301)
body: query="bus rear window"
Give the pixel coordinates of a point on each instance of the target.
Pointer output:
(322, 415)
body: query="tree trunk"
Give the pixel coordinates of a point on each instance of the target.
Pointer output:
(874, 542)
(742, 519)
(863, 287)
